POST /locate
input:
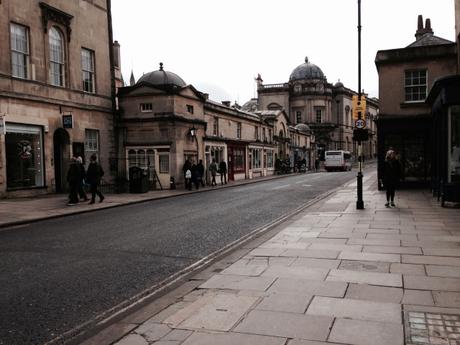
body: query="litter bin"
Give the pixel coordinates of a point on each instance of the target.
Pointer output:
(138, 180)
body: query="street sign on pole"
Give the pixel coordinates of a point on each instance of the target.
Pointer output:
(361, 123)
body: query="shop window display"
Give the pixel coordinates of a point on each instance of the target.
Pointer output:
(24, 156)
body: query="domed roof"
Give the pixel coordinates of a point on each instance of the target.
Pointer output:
(338, 84)
(307, 70)
(251, 105)
(162, 77)
(302, 127)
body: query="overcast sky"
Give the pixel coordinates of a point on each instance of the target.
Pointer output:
(219, 46)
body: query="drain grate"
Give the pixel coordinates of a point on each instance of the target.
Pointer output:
(432, 328)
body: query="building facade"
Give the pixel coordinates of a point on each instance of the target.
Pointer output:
(56, 91)
(405, 123)
(163, 122)
(309, 99)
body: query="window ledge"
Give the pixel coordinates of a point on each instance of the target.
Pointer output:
(413, 104)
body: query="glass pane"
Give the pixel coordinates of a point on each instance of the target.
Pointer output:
(24, 159)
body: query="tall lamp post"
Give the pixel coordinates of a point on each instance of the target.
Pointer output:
(359, 202)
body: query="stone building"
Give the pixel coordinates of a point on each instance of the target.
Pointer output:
(163, 122)
(405, 77)
(56, 91)
(310, 99)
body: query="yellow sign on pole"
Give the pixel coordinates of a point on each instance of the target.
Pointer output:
(358, 107)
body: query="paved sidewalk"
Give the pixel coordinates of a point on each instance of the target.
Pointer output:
(330, 275)
(23, 210)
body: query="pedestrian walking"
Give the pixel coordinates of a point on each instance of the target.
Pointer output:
(74, 179)
(223, 172)
(94, 175)
(391, 176)
(213, 171)
(81, 185)
(200, 168)
(188, 179)
(195, 176)
(187, 166)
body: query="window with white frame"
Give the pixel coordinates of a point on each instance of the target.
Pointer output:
(87, 70)
(238, 130)
(256, 133)
(143, 158)
(91, 143)
(164, 163)
(264, 134)
(270, 159)
(146, 107)
(415, 85)
(269, 135)
(190, 108)
(256, 158)
(56, 47)
(19, 37)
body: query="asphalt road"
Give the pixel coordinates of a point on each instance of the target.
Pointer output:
(60, 273)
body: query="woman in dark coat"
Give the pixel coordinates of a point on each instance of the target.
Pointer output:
(93, 176)
(391, 177)
(74, 178)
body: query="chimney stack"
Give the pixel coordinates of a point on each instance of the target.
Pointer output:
(423, 30)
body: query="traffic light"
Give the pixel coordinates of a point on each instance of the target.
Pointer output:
(360, 134)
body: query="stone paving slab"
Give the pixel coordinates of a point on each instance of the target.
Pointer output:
(430, 260)
(355, 309)
(392, 250)
(358, 332)
(431, 283)
(370, 257)
(285, 303)
(286, 325)
(443, 271)
(374, 293)
(218, 312)
(372, 278)
(302, 287)
(368, 266)
(236, 282)
(231, 338)
(296, 272)
(319, 263)
(409, 269)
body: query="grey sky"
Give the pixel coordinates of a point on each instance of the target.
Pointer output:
(219, 46)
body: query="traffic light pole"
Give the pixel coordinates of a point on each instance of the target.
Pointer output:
(359, 202)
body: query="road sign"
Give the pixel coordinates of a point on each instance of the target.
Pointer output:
(360, 123)
(358, 107)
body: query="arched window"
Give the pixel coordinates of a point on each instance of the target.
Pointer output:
(132, 159)
(56, 46)
(274, 106)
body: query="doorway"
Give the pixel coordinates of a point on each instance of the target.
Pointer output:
(61, 145)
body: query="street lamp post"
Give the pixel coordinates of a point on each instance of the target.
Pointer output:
(359, 202)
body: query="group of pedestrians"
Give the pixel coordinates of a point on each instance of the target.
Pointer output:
(194, 174)
(78, 177)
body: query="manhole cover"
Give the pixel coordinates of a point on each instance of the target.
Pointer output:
(432, 328)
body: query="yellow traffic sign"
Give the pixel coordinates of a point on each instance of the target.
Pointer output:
(358, 107)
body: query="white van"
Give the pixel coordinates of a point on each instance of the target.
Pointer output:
(337, 160)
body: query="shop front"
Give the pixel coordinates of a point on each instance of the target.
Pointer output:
(24, 156)
(444, 99)
(236, 161)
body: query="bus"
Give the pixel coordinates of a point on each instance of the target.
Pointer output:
(337, 160)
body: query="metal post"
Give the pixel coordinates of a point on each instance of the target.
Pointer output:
(359, 202)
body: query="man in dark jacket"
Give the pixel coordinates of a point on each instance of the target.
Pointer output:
(200, 168)
(391, 177)
(74, 179)
(93, 176)
(81, 190)
(223, 172)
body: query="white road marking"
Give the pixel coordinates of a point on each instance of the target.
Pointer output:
(281, 187)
